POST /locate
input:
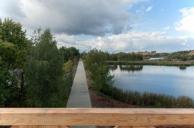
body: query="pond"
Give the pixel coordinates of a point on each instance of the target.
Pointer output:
(168, 80)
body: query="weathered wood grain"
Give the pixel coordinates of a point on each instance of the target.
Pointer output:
(136, 117)
(39, 126)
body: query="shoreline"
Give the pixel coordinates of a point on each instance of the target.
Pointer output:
(147, 100)
(100, 100)
(158, 63)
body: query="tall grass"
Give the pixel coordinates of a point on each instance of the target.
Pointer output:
(147, 99)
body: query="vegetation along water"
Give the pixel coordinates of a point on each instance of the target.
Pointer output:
(127, 83)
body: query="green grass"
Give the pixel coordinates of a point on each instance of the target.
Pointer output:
(148, 99)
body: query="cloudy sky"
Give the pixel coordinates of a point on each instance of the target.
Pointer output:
(109, 25)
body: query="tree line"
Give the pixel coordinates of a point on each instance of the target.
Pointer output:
(181, 56)
(33, 72)
(120, 56)
(124, 57)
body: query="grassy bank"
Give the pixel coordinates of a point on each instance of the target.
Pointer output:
(100, 100)
(147, 99)
(111, 96)
(148, 62)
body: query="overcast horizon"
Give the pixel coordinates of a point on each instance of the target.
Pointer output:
(109, 25)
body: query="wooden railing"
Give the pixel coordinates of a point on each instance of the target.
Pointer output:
(63, 117)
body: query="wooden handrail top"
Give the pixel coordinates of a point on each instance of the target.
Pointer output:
(97, 110)
(96, 116)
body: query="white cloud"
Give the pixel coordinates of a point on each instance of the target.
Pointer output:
(186, 24)
(89, 17)
(70, 41)
(70, 19)
(137, 41)
(148, 8)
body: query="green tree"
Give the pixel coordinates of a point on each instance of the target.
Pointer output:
(12, 32)
(8, 91)
(95, 63)
(7, 53)
(32, 72)
(44, 74)
(69, 53)
(13, 47)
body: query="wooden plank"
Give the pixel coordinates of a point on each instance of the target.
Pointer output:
(123, 127)
(96, 116)
(145, 127)
(39, 126)
(134, 127)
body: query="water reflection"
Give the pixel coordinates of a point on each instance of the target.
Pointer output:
(182, 67)
(129, 68)
(112, 67)
(169, 80)
(132, 68)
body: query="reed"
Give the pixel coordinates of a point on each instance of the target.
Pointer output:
(147, 99)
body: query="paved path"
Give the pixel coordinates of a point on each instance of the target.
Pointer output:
(79, 96)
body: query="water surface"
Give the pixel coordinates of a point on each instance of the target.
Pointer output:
(169, 80)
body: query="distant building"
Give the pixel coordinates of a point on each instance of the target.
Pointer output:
(146, 53)
(191, 53)
(156, 58)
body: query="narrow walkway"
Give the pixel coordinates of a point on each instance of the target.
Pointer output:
(79, 96)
